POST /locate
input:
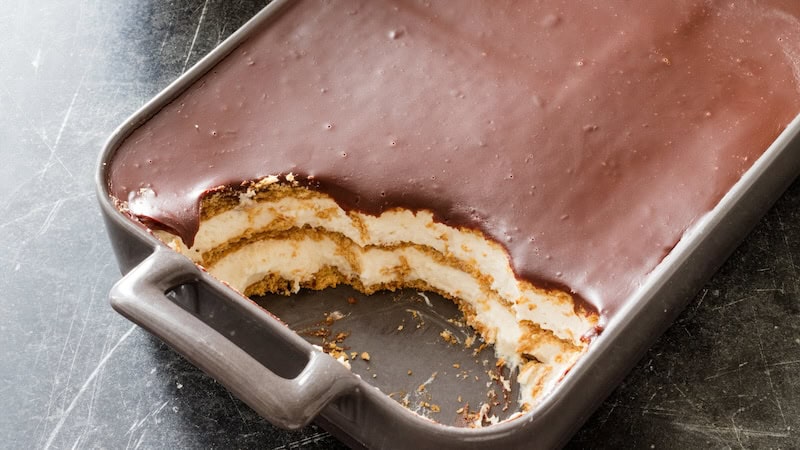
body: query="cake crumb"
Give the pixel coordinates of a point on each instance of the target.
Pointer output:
(456, 322)
(341, 336)
(352, 300)
(448, 337)
(469, 341)
(417, 317)
(409, 372)
(400, 327)
(456, 365)
(479, 349)
(365, 356)
(353, 355)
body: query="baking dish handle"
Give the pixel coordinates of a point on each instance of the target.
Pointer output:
(289, 403)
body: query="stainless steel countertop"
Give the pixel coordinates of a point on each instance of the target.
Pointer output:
(74, 374)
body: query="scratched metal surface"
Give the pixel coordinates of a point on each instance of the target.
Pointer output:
(73, 374)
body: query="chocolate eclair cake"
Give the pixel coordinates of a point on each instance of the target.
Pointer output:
(533, 161)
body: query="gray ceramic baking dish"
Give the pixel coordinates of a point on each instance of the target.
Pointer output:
(286, 380)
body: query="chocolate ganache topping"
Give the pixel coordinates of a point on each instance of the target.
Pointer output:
(585, 137)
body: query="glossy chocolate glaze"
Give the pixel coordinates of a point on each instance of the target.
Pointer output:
(585, 137)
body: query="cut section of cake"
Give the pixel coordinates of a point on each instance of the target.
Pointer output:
(278, 236)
